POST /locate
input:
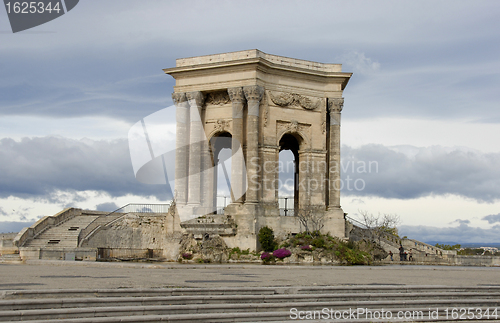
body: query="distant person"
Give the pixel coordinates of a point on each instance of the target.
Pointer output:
(390, 254)
(405, 256)
(401, 253)
(410, 257)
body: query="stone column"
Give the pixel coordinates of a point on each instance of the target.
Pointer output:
(253, 95)
(182, 148)
(238, 183)
(335, 106)
(207, 176)
(195, 147)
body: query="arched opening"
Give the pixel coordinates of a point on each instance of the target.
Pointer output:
(220, 145)
(288, 187)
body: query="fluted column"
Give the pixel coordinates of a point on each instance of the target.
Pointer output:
(335, 106)
(253, 95)
(238, 183)
(182, 148)
(195, 147)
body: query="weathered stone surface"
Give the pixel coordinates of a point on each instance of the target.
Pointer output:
(264, 101)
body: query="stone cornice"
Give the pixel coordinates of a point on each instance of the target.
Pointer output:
(257, 63)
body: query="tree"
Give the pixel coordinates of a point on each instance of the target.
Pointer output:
(311, 218)
(380, 225)
(266, 239)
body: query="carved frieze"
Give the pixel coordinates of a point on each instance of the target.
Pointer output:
(266, 111)
(221, 125)
(283, 99)
(293, 126)
(218, 98)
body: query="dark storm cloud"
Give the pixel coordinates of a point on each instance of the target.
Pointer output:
(108, 207)
(40, 167)
(492, 218)
(10, 227)
(460, 221)
(428, 60)
(410, 172)
(44, 167)
(461, 234)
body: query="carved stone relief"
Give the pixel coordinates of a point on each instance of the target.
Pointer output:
(283, 99)
(218, 98)
(293, 126)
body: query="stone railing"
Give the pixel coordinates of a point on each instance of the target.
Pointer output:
(110, 217)
(426, 248)
(43, 224)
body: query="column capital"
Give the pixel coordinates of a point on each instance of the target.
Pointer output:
(237, 100)
(196, 98)
(253, 92)
(335, 105)
(179, 98)
(236, 94)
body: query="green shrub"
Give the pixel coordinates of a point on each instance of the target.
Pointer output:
(266, 239)
(318, 242)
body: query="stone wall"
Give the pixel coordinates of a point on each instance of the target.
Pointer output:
(7, 246)
(138, 232)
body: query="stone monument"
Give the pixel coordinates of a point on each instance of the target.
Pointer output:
(260, 104)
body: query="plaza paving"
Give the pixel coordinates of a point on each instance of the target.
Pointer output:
(94, 275)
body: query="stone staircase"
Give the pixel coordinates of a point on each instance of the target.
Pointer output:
(253, 304)
(96, 225)
(10, 258)
(64, 235)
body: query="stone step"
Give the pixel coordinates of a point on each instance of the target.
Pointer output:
(60, 303)
(231, 308)
(10, 258)
(315, 290)
(235, 304)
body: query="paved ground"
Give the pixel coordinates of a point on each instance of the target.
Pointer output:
(61, 274)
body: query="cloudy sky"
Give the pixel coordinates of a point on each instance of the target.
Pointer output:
(423, 102)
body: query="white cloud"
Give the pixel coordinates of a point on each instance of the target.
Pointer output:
(358, 63)
(390, 131)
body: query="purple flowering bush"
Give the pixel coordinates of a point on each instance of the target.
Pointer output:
(187, 255)
(306, 247)
(282, 253)
(267, 257)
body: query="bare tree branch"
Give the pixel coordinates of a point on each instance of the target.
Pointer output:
(311, 218)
